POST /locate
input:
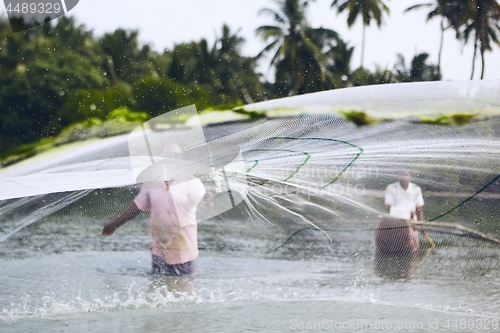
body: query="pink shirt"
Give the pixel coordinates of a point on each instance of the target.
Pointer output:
(173, 217)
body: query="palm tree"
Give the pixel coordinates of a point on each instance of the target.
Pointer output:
(484, 22)
(368, 9)
(419, 70)
(300, 62)
(229, 76)
(340, 56)
(438, 9)
(68, 33)
(236, 73)
(126, 60)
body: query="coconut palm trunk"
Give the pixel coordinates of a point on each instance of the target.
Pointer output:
(474, 59)
(300, 62)
(366, 9)
(363, 45)
(482, 64)
(440, 46)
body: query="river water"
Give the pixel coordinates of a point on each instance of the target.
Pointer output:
(103, 284)
(296, 253)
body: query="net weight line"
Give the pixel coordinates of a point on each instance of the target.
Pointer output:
(438, 228)
(466, 200)
(467, 232)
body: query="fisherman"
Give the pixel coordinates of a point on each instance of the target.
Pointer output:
(404, 198)
(404, 201)
(172, 206)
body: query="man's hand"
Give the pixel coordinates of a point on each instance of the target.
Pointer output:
(108, 229)
(420, 213)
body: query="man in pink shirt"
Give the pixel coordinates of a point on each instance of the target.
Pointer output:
(172, 206)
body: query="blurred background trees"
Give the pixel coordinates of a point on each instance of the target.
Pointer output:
(368, 10)
(300, 61)
(56, 75)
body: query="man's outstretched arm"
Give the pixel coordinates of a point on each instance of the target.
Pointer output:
(128, 214)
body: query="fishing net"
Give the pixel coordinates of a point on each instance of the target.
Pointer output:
(298, 193)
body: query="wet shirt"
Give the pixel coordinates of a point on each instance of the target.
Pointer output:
(403, 202)
(173, 217)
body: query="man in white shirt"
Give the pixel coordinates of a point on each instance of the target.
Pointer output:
(404, 200)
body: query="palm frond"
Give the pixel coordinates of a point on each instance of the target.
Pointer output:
(267, 31)
(417, 6)
(267, 48)
(268, 11)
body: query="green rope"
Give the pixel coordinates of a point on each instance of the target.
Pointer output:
(361, 151)
(466, 200)
(288, 151)
(255, 163)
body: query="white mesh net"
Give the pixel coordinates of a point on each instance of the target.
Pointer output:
(299, 193)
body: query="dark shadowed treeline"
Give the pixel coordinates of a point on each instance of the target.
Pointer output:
(57, 75)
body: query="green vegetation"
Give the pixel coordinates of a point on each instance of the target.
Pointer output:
(367, 9)
(359, 118)
(301, 59)
(479, 19)
(252, 115)
(60, 83)
(451, 119)
(118, 121)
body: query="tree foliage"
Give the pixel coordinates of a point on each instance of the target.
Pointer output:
(158, 95)
(60, 77)
(368, 10)
(473, 20)
(300, 52)
(483, 24)
(89, 103)
(31, 94)
(59, 74)
(220, 69)
(419, 69)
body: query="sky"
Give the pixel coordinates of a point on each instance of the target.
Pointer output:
(162, 23)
